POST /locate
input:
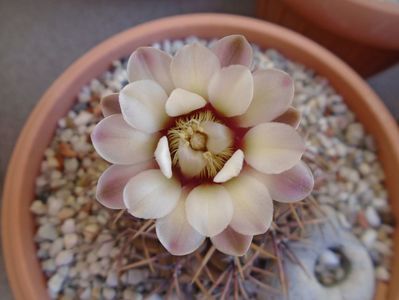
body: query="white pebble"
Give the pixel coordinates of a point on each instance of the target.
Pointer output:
(330, 259)
(47, 232)
(83, 118)
(65, 257)
(68, 226)
(372, 217)
(109, 294)
(369, 237)
(105, 249)
(70, 240)
(112, 279)
(382, 273)
(55, 283)
(54, 206)
(38, 208)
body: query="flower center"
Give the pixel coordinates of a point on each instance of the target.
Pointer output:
(194, 140)
(198, 141)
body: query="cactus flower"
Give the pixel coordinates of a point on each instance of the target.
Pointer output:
(202, 144)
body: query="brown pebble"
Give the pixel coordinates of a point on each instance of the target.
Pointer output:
(66, 150)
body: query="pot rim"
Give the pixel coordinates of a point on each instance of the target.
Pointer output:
(18, 244)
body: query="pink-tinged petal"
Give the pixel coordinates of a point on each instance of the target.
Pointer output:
(119, 143)
(109, 191)
(150, 195)
(192, 68)
(230, 90)
(291, 116)
(253, 206)
(150, 63)
(233, 50)
(272, 148)
(219, 136)
(289, 186)
(110, 105)
(273, 94)
(143, 105)
(162, 156)
(191, 162)
(232, 243)
(231, 168)
(181, 102)
(175, 233)
(209, 209)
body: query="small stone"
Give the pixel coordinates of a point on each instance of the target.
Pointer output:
(68, 226)
(54, 206)
(105, 249)
(130, 294)
(56, 247)
(112, 279)
(55, 283)
(83, 118)
(65, 257)
(70, 240)
(48, 265)
(47, 232)
(369, 237)
(330, 259)
(109, 294)
(71, 165)
(136, 276)
(38, 208)
(91, 231)
(372, 217)
(65, 213)
(382, 274)
(86, 294)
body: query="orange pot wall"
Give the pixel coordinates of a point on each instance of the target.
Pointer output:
(24, 273)
(364, 33)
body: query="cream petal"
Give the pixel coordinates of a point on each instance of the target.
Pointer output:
(181, 102)
(109, 191)
(272, 148)
(209, 209)
(231, 168)
(175, 233)
(192, 68)
(150, 195)
(291, 116)
(143, 105)
(110, 105)
(219, 136)
(119, 143)
(232, 243)
(150, 63)
(253, 206)
(233, 50)
(273, 94)
(230, 90)
(162, 156)
(289, 186)
(191, 162)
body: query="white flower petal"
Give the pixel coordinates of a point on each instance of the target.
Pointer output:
(230, 90)
(253, 206)
(150, 63)
(219, 136)
(192, 68)
(289, 186)
(209, 209)
(162, 156)
(233, 50)
(175, 233)
(231, 168)
(232, 243)
(110, 105)
(150, 195)
(119, 143)
(273, 94)
(143, 105)
(191, 162)
(272, 148)
(181, 102)
(291, 116)
(109, 191)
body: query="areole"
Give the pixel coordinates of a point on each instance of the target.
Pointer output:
(23, 268)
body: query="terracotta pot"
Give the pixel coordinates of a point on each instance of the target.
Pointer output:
(364, 33)
(24, 272)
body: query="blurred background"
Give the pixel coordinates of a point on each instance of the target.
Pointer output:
(40, 39)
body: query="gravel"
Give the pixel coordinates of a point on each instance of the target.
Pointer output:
(74, 236)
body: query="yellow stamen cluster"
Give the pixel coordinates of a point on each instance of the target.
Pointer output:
(188, 130)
